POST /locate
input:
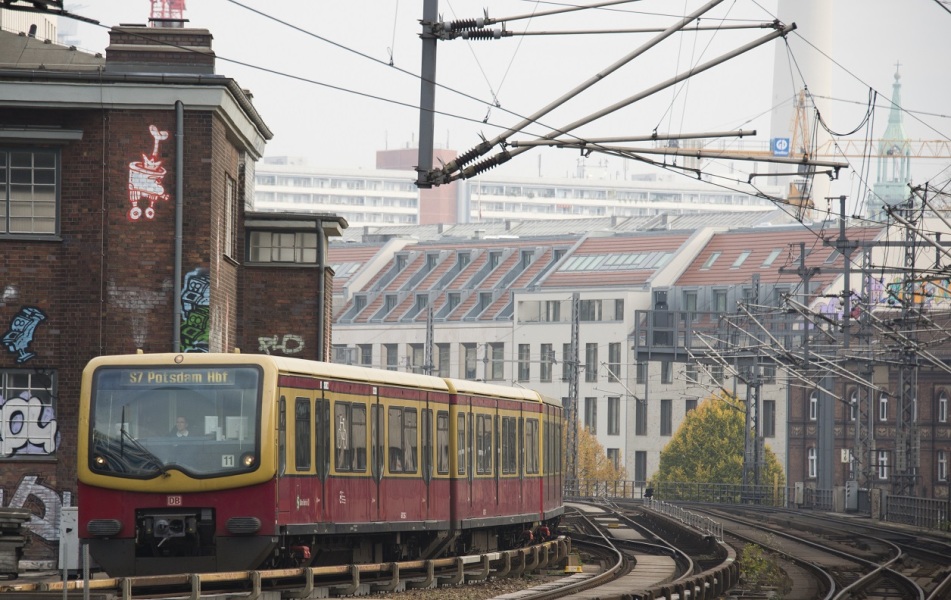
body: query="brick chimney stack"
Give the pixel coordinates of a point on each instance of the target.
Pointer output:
(141, 49)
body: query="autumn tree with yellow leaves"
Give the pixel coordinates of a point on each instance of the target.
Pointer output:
(592, 460)
(708, 446)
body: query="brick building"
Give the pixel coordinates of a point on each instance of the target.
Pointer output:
(122, 227)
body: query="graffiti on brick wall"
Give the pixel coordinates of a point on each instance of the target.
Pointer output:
(45, 504)
(18, 338)
(889, 293)
(27, 426)
(288, 344)
(141, 304)
(145, 180)
(196, 311)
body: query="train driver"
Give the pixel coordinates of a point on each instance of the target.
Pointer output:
(181, 428)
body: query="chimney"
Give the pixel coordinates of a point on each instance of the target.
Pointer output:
(141, 49)
(32, 33)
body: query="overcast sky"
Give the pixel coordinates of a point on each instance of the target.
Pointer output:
(322, 78)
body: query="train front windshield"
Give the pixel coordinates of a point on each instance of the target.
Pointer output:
(203, 421)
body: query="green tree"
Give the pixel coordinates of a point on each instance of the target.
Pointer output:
(708, 446)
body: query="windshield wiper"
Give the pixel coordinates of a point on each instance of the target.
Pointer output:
(152, 458)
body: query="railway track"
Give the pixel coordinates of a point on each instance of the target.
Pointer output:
(842, 560)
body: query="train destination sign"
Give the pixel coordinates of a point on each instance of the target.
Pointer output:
(150, 377)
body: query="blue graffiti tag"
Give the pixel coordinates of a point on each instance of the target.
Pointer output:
(20, 335)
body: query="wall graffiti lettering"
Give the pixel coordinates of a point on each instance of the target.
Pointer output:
(196, 311)
(45, 504)
(27, 426)
(145, 180)
(18, 338)
(288, 344)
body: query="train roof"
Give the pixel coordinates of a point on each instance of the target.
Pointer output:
(479, 388)
(283, 364)
(312, 368)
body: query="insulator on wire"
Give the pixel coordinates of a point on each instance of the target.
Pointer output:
(468, 155)
(485, 34)
(466, 24)
(485, 165)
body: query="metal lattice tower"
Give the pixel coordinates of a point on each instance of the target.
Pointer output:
(752, 450)
(906, 434)
(571, 403)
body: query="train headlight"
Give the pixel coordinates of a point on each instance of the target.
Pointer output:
(247, 460)
(99, 461)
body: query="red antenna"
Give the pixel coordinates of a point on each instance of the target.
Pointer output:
(168, 9)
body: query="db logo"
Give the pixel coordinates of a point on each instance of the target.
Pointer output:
(173, 501)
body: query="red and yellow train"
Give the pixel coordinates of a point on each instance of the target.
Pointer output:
(289, 462)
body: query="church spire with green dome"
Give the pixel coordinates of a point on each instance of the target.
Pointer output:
(894, 160)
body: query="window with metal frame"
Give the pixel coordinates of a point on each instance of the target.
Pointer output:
(29, 191)
(28, 395)
(666, 416)
(614, 415)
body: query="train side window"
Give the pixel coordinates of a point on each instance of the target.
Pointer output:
(342, 426)
(302, 454)
(358, 437)
(531, 446)
(410, 440)
(484, 444)
(442, 442)
(461, 444)
(395, 434)
(509, 445)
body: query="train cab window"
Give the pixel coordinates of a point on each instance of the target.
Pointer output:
(484, 444)
(531, 446)
(442, 442)
(350, 436)
(402, 432)
(461, 444)
(302, 425)
(509, 445)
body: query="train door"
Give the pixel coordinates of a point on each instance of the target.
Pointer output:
(321, 452)
(497, 455)
(353, 490)
(283, 495)
(426, 458)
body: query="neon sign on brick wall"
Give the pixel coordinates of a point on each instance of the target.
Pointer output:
(145, 180)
